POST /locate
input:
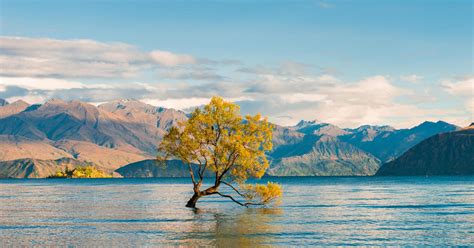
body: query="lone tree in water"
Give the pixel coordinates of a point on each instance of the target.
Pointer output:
(219, 140)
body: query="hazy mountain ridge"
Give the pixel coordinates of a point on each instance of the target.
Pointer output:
(121, 132)
(449, 153)
(387, 143)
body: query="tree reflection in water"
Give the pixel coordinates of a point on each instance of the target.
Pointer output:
(247, 227)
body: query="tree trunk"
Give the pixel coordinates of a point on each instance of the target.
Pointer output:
(192, 202)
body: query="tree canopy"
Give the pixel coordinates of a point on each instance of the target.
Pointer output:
(219, 139)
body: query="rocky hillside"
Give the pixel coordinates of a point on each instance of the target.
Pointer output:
(449, 153)
(11, 109)
(74, 129)
(17, 147)
(322, 156)
(36, 168)
(137, 111)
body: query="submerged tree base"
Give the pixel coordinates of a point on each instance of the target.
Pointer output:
(254, 195)
(192, 202)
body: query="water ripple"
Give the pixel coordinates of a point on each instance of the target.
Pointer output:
(314, 211)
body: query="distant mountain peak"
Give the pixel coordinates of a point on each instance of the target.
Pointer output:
(438, 124)
(13, 108)
(135, 105)
(429, 123)
(124, 101)
(54, 101)
(305, 123)
(374, 127)
(67, 104)
(469, 127)
(20, 103)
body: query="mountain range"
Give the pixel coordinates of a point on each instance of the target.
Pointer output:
(118, 133)
(450, 153)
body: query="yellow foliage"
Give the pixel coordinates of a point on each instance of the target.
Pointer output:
(222, 140)
(89, 172)
(81, 172)
(263, 194)
(219, 139)
(59, 174)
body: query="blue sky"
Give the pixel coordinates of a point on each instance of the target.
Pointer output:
(419, 53)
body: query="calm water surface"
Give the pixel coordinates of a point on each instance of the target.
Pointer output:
(314, 211)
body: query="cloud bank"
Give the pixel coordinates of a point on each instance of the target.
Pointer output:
(43, 57)
(36, 69)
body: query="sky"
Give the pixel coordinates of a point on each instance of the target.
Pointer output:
(348, 63)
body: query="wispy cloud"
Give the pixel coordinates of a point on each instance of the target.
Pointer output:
(411, 78)
(170, 59)
(462, 87)
(325, 5)
(192, 73)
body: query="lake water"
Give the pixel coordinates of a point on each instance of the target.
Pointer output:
(315, 211)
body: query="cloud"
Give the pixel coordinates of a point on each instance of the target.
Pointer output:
(170, 59)
(12, 91)
(194, 73)
(470, 106)
(187, 104)
(41, 83)
(411, 78)
(38, 69)
(462, 87)
(370, 100)
(40, 89)
(286, 68)
(44, 57)
(325, 5)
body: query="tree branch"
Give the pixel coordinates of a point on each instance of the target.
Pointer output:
(230, 185)
(252, 203)
(192, 174)
(201, 172)
(228, 168)
(247, 204)
(232, 198)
